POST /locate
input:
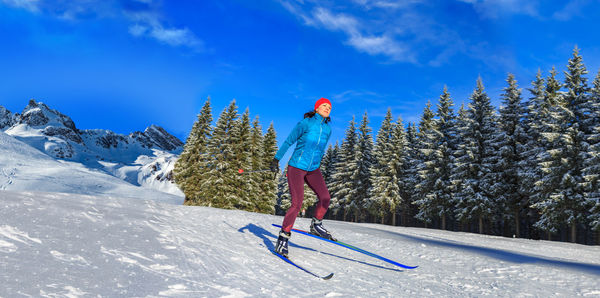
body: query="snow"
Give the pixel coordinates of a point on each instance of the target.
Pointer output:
(22, 167)
(141, 159)
(73, 245)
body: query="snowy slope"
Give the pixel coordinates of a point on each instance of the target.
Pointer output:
(54, 244)
(23, 167)
(141, 158)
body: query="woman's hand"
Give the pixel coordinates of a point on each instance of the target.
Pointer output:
(274, 165)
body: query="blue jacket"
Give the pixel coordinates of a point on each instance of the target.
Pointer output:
(312, 135)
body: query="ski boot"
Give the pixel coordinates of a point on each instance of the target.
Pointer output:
(316, 228)
(282, 243)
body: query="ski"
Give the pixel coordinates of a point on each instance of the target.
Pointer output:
(354, 248)
(327, 277)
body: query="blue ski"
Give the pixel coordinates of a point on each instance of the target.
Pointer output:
(302, 268)
(354, 248)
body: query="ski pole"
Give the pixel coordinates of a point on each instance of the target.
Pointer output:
(241, 171)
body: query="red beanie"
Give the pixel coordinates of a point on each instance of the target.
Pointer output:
(321, 101)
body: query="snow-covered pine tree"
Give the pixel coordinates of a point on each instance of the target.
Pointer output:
(344, 170)
(408, 176)
(553, 126)
(480, 187)
(268, 183)
(400, 163)
(362, 175)
(254, 179)
(461, 165)
(220, 188)
(427, 143)
(284, 200)
(592, 164)
(437, 200)
(242, 145)
(385, 192)
(329, 161)
(328, 169)
(529, 171)
(566, 203)
(187, 172)
(283, 194)
(513, 137)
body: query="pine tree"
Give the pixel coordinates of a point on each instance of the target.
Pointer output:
(361, 176)
(328, 168)
(512, 135)
(461, 165)
(427, 142)
(480, 187)
(283, 194)
(243, 198)
(284, 200)
(328, 164)
(268, 183)
(436, 201)
(220, 188)
(344, 170)
(553, 125)
(187, 171)
(385, 192)
(400, 163)
(408, 176)
(567, 151)
(529, 172)
(592, 165)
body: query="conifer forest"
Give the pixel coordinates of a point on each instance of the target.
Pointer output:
(528, 169)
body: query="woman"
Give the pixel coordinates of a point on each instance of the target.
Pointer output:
(311, 135)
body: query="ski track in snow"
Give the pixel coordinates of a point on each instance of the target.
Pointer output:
(69, 245)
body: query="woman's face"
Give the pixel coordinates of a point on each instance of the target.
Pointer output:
(324, 110)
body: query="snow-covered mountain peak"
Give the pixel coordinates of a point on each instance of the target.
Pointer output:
(160, 137)
(38, 114)
(127, 157)
(7, 118)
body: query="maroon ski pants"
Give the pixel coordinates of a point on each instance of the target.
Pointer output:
(315, 181)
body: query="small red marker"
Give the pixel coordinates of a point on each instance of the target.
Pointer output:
(240, 171)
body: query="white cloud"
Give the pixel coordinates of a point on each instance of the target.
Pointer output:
(572, 9)
(496, 8)
(146, 19)
(372, 44)
(387, 4)
(176, 37)
(340, 21)
(382, 45)
(403, 31)
(31, 5)
(138, 30)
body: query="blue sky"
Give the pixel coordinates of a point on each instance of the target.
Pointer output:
(125, 64)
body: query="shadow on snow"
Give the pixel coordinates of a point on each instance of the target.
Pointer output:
(502, 254)
(269, 239)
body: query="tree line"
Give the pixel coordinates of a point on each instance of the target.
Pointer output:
(530, 168)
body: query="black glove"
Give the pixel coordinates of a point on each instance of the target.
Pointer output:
(274, 165)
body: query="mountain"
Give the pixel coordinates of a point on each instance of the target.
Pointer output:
(141, 158)
(69, 245)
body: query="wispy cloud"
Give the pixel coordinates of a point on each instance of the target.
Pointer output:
(571, 9)
(404, 31)
(31, 5)
(356, 32)
(497, 8)
(144, 15)
(363, 95)
(147, 23)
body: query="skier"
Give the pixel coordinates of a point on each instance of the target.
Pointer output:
(311, 135)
